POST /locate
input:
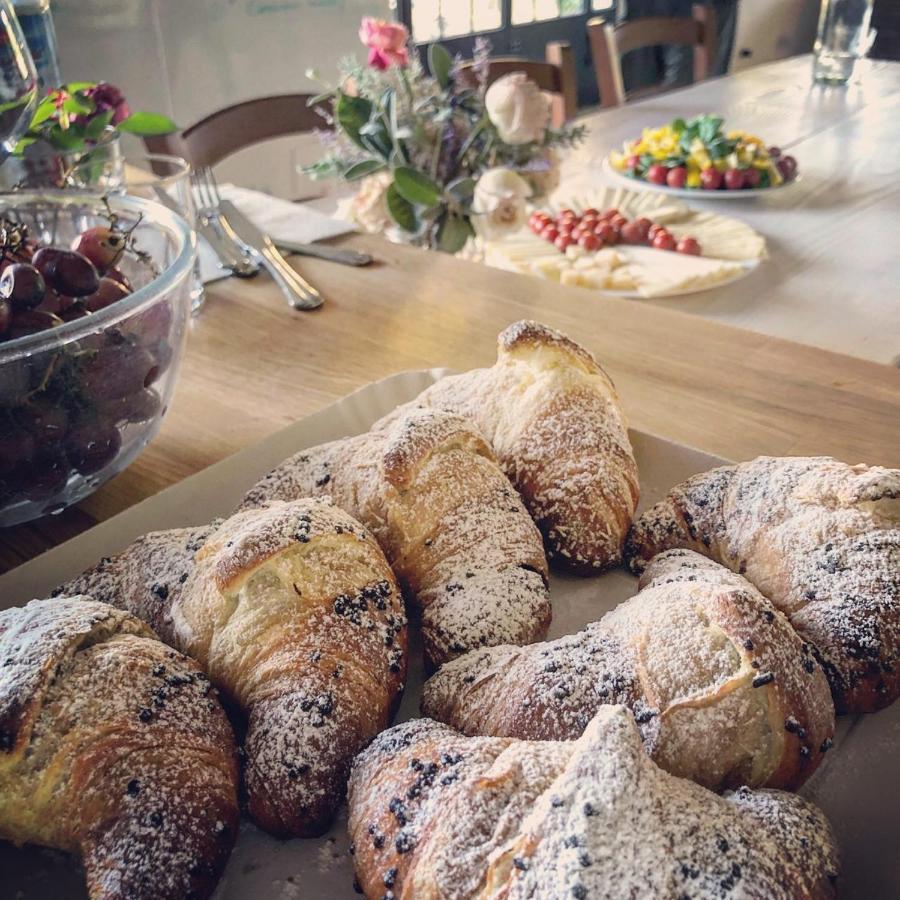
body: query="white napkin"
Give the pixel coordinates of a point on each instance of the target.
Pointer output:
(296, 222)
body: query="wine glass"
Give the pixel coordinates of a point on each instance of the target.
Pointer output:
(18, 81)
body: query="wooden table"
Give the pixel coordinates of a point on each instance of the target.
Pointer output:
(833, 277)
(252, 366)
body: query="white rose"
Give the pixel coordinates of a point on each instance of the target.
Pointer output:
(498, 205)
(518, 108)
(369, 206)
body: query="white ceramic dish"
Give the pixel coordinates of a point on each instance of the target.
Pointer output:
(696, 193)
(856, 785)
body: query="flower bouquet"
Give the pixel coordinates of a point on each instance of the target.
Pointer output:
(438, 157)
(72, 139)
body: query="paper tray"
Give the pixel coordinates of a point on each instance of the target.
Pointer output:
(857, 785)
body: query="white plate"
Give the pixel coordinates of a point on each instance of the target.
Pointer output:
(639, 184)
(854, 786)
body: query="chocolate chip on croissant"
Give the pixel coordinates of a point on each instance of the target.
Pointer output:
(552, 416)
(455, 532)
(114, 747)
(437, 814)
(293, 611)
(724, 690)
(820, 539)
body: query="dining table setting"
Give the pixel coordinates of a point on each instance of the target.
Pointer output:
(520, 518)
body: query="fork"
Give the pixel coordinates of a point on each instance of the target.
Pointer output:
(231, 251)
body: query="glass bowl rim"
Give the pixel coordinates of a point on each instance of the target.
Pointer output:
(153, 213)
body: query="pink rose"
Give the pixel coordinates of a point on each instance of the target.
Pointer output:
(386, 42)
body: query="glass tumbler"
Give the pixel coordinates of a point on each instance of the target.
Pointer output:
(844, 36)
(167, 180)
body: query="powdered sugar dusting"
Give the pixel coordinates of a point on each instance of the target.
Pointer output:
(436, 814)
(821, 539)
(128, 758)
(456, 533)
(723, 689)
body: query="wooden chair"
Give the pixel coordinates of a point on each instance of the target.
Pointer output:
(609, 43)
(556, 75)
(233, 128)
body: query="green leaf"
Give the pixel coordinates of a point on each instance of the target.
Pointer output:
(352, 113)
(401, 210)
(45, 110)
(361, 169)
(66, 139)
(678, 125)
(440, 62)
(416, 186)
(147, 124)
(461, 190)
(75, 105)
(453, 232)
(98, 125)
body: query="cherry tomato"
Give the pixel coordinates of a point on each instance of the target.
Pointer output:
(590, 219)
(566, 213)
(633, 161)
(688, 245)
(653, 231)
(676, 177)
(590, 211)
(563, 241)
(589, 241)
(566, 227)
(632, 233)
(751, 178)
(657, 174)
(609, 214)
(550, 234)
(734, 179)
(618, 221)
(664, 241)
(711, 179)
(644, 224)
(605, 232)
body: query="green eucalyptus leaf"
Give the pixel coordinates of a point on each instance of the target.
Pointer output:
(352, 114)
(453, 232)
(362, 169)
(98, 125)
(440, 62)
(416, 186)
(147, 124)
(401, 210)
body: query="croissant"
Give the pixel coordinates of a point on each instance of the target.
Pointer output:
(552, 417)
(455, 532)
(295, 615)
(435, 814)
(113, 746)
(723, 689)
(820, 539)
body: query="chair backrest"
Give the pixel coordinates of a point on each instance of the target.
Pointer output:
(609, 43)
(556, 75)
(233, 128)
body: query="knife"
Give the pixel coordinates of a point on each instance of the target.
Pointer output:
(322, 251)
(299, 292)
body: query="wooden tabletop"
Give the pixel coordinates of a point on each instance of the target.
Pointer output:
(252, 365)
(833, 275)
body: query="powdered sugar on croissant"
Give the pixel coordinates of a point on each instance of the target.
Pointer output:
(724, 690)
(436, 814)
(553, 418)
(454, 530)
(820, 539)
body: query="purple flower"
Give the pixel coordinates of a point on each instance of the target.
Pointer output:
(108, 97)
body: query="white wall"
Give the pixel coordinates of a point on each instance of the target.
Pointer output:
(190, 57)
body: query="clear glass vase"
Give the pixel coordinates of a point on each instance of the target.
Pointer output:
(42, 166)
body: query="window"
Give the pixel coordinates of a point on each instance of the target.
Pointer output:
(432, 20)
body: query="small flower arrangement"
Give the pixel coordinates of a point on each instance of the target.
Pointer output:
(438, 157)
(75, 117)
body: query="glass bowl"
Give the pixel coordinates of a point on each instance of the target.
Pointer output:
(80, 401)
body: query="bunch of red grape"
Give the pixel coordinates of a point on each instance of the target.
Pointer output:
(63, 409)
(592, 230)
